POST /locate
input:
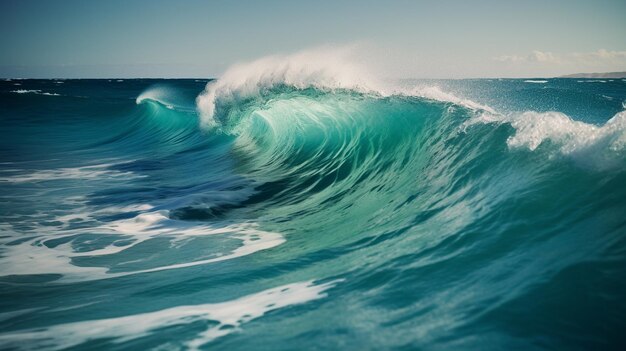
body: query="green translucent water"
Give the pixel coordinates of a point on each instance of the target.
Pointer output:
(307, 217)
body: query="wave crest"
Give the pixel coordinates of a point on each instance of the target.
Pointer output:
(323, 69)
(601, 147)
(320, 69)
(161, 94)
(251, 90)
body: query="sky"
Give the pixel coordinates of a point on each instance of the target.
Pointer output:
(398, 39)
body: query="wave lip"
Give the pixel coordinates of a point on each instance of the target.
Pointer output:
(320, 69)
(326, 70)
(163, 95)
(252, 88)
(435, 93)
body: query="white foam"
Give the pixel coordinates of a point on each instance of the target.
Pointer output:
(41, 253)
(84, 213)
(601, 147)
(34, 91)
(154, 93)
(435, 93)
(535, 81)
(24, 91)
(228, 317)
(324, 69)
(87, 172)
(149, 225)
(162, 94)
(33, 256)
(328, 69)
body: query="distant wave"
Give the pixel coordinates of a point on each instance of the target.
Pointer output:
(163, 95)
(598, 146)
(591, 81)
(34, 91)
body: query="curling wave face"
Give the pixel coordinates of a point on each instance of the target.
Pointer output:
(361, 213)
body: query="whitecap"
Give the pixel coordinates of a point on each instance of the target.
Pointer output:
(435, 93)
(33, 91)
(598, 146)
(327, 69)
(324, 69)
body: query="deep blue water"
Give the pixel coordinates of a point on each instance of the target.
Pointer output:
(282, 213)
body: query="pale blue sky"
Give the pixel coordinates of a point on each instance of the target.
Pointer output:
(418, 39)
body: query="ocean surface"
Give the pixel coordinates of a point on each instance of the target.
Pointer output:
(286, 206)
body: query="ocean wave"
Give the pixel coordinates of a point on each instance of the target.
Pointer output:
(164, 95)
(435, 210)
(436, 93)
(591, 81)
(602, 147)
(323, 70)
(311, 85)
(535, 81)
(34, 91)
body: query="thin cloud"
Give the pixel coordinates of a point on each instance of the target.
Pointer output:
(540, 56)
(510, 58)
(599, 57)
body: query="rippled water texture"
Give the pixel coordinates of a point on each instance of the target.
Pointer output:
(299, 206)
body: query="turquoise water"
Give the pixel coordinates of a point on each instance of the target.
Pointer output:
(276, 213)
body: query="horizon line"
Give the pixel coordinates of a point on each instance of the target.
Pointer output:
(5, 78)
